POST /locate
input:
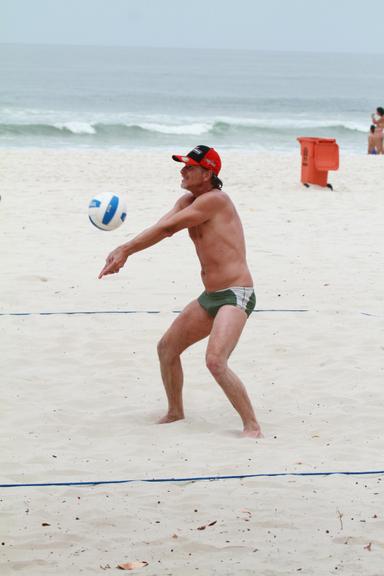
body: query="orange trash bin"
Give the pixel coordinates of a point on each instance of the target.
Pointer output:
(318, 156)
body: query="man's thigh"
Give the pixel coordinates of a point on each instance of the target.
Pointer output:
(226, 331)
(192, 325)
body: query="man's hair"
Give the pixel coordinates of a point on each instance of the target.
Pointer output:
(216, 182)
(380, 111)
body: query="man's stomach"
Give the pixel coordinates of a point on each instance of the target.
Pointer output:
(225, 277)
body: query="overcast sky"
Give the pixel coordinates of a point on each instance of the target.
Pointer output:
(322, 25)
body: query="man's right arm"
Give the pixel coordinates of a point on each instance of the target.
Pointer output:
(152, 235)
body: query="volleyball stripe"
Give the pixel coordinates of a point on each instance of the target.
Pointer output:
(110, 210)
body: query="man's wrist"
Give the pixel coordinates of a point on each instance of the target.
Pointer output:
(126, 249)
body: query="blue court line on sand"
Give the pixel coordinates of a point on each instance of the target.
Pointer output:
(90, 312)
(197, 478)
(95, 312)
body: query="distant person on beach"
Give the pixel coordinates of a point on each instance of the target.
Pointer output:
(378, 121)
(221, 311)
(372, 140)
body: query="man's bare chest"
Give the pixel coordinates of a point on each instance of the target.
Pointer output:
(196, 233)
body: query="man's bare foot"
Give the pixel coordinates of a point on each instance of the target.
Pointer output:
(252, 432)
(168, 418)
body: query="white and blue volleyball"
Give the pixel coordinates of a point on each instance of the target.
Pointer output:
(107, 211)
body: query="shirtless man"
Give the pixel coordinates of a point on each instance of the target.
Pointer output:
(372, 140)
(221, 311)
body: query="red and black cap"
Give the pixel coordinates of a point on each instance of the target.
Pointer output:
(203, 156)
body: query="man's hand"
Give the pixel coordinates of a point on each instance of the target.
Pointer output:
(116, 260)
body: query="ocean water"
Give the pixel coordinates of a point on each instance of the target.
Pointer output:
(72, 96)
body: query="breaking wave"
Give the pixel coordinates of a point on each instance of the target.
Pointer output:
(238, 129)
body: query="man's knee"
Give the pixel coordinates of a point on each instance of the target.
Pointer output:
(216, 364)
(165, 350)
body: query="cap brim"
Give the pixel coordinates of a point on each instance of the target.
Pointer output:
(184, 159)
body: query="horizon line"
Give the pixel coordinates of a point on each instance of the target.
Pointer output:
(199, 48)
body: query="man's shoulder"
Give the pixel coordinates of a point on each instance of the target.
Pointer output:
(185, 200)
(215, 193)
(215, 197)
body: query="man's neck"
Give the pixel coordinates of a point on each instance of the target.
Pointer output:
(202, 190)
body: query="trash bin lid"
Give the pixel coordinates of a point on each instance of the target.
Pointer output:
(326, 155)
(315, 140)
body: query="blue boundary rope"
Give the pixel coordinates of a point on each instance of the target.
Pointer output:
(94, 312)
(198, 478)
(89, 312)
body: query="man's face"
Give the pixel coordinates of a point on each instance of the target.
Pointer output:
(193, 177)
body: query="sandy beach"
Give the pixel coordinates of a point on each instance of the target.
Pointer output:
(81, 392)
